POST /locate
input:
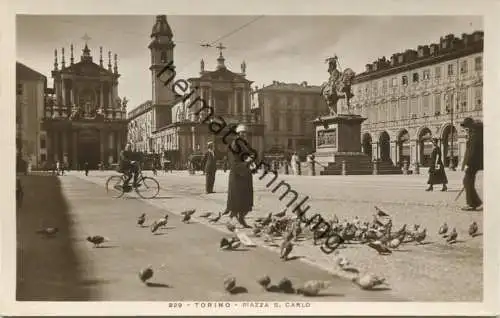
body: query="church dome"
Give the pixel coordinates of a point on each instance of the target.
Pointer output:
(161, 27)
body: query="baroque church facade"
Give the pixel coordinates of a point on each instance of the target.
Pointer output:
(85, 119)
(173, 124)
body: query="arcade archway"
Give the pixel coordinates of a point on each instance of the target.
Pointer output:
(367, 144)
(403, 146)
(425, 146)
(385, 146)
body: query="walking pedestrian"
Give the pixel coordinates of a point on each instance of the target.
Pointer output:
(295, 163)
(437, 174)
(210, 168)
(58, 167)
(473, 162)
(86, 168)
(240, 187)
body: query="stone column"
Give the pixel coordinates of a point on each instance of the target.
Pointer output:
(72, 95)
(413, 152)
(74, 156)
(118, 145)
(63, 90)
(102, 141)
(101, 97)
(375, 147)
(394, 152)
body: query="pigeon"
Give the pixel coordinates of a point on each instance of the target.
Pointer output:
(394, 243)
(186, 218)
(232, 243)
(420, 236)
(335, 219)
(163, 221)
(155, 226)
(141, 219)
(286, 249)
(215, 219)
(313, 287)
(286, 286)
(256, 231)
(443, 229)
(97, 240)
(281, 214)
(368, 281)
(206, 215)
(188, 212)
(267, 220)
(380, 212)
(380, 248)
(473, 228)
(452, 238)
(229, 283)
(49, 231)
(146, 274)
(230, 227)
(264, 281)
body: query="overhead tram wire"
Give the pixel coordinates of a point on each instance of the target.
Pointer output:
(210, 44)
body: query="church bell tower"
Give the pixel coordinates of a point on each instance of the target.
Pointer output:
(162, 53)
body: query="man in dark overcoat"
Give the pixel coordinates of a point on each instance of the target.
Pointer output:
(210, 167)
(473, 162)
(240, 188)
(437, 174)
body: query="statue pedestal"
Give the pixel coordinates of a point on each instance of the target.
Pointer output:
(338, 145)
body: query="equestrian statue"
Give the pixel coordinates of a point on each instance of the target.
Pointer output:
(338, 86)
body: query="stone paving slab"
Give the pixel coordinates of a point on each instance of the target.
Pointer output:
(194, 265)
(432, 272)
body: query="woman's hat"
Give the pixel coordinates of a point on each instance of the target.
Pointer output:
(468, 122)
(241, 128)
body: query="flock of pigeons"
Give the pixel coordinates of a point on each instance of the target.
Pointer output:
(377, 234)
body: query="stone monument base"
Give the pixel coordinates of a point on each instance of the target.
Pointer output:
(338, 148)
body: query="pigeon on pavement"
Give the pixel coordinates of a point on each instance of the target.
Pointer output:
(146, 274)
(229, 283)
(216, 219)
(313, 287)
(141, 219)
(473, 229)
(368, 281)
(97, 240)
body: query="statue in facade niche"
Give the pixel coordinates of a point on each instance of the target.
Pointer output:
(338, 86)
(124, 103)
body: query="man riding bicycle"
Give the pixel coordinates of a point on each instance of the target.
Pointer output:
(129, 165)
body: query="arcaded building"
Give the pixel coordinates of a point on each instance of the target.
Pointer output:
(418, 95)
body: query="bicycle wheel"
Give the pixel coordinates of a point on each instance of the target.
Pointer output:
(114, 186)
(149, 188)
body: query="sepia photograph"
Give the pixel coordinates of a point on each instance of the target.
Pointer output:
(249, 162)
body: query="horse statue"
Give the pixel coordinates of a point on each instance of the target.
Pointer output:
(338, 86)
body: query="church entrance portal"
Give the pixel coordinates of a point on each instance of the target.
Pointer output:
(89, 148)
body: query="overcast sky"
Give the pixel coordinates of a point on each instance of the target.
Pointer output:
(283, 48)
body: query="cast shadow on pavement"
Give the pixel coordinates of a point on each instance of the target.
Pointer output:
(38, 264)
(239, 290)
(158, 285)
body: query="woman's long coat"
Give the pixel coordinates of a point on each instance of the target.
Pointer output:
(437, 176)
(240, 188)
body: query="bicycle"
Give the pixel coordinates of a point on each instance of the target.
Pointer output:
(115, 188)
